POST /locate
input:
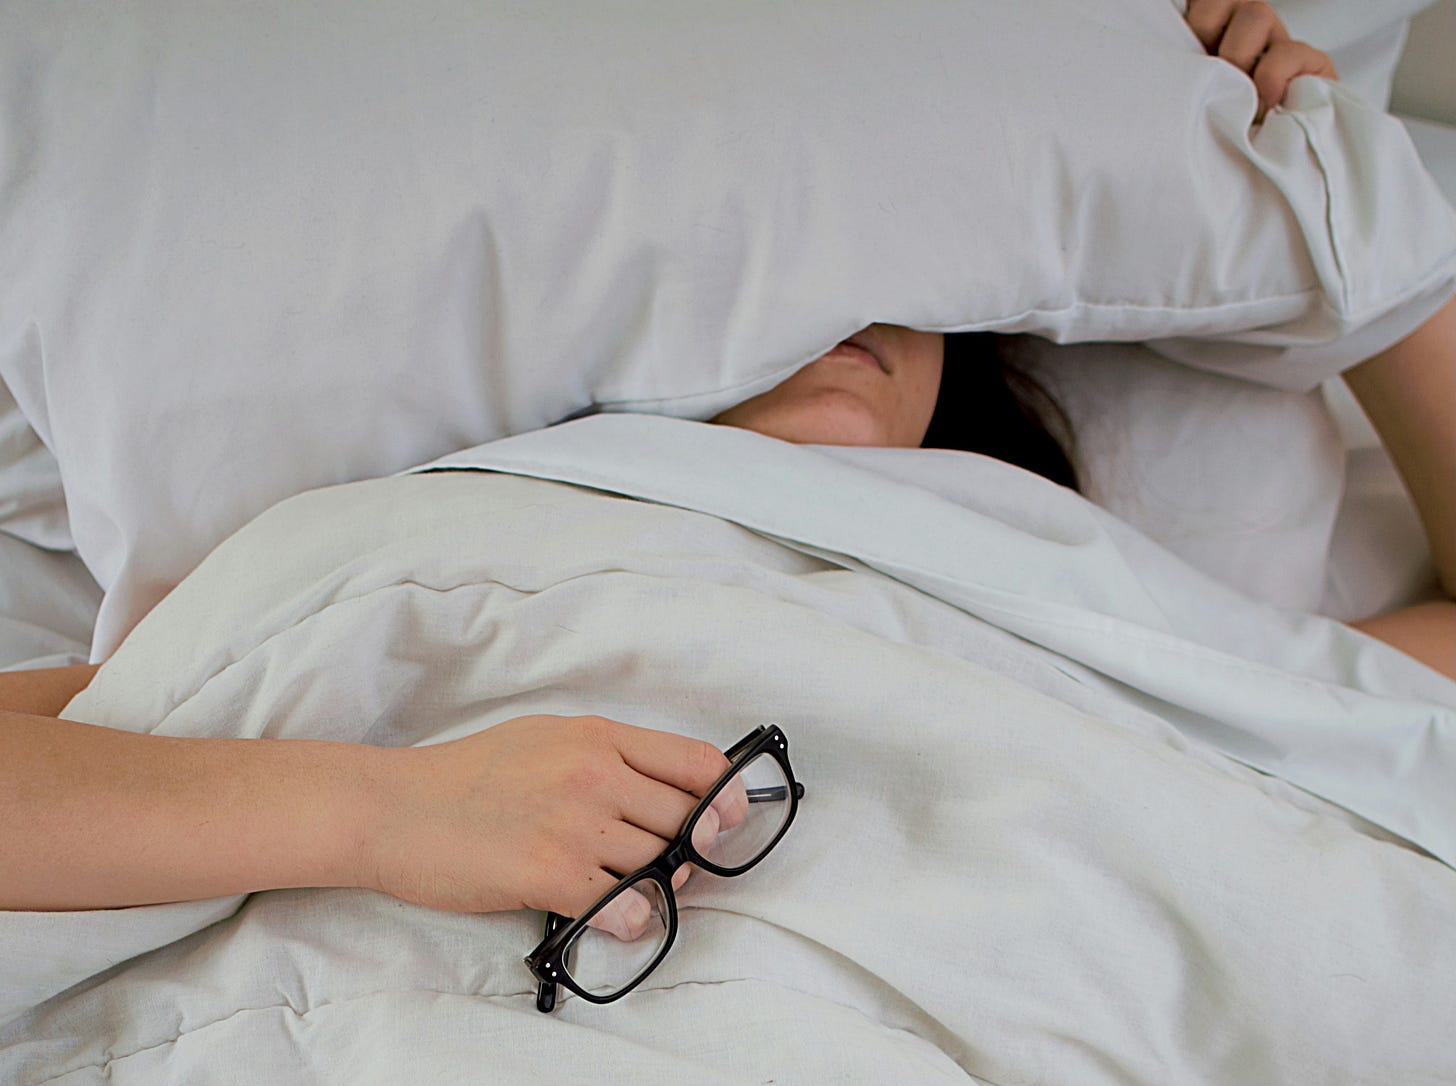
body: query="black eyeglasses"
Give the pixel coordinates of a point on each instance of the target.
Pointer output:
(600, 967)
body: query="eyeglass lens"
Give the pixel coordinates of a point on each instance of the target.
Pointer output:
(605, 960)
(767, 791)
(604, 963)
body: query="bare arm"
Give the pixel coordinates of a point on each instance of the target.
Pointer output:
(45, 691)
(126, 819)
(95, 817)
(533, 812)
(1409, 392)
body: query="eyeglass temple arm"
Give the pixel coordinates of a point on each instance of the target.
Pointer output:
(774, 794)
(546, 990)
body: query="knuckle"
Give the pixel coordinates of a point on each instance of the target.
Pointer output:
(591, 726)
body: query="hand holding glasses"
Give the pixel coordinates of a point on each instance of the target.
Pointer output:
(600, 967)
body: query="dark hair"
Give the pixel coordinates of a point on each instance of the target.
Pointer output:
(986, 405)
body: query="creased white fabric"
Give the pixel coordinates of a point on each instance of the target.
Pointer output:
(251, 249)
(1240, 480)
(1297, 695)
(1003, 870)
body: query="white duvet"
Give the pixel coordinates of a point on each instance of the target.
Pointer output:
(1031, 847)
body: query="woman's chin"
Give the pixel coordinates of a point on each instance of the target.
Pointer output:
(848, 425)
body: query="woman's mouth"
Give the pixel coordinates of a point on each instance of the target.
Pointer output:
(853, 350)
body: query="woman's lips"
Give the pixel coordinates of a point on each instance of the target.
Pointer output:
(849, 350)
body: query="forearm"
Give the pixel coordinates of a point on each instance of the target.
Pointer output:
(44, 691)
(1409, 392)
(1426, 631)
(95, 817)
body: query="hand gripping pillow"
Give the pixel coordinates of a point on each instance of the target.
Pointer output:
(1364, 40)
(248, 249)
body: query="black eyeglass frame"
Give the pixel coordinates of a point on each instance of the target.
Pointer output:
(547, 961)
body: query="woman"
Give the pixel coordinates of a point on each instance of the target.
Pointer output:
(894, 387)
(884, 386)
(537, 812)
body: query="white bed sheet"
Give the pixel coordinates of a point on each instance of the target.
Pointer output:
(1071, 890)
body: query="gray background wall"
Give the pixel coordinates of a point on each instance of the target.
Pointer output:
(1425, 82)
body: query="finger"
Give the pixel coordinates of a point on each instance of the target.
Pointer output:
(623, 847)
(680, 876)
(590, 864)
(690, 764)
(1207, 19)
(627, 916)
(1284, 63)
(1252, 30)
(731, 803)
(705, 830)
(571, 889)
(653, 806)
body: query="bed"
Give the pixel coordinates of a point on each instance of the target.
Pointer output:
(1096, 790)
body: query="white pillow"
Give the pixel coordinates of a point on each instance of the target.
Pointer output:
(48, 603)
(1239, 480)
(32, 501)
(1364, 39)
(256, 248)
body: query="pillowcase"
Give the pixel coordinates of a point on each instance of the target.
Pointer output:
(48, 603)
(1364, 40)
(32, 501)
(1241, 481)
(252, 249)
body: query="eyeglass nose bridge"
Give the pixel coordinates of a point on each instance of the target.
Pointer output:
(674, 858)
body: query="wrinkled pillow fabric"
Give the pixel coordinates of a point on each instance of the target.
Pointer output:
(1364, 40)
(1240, 480)
(32, 500)
(253, 249)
